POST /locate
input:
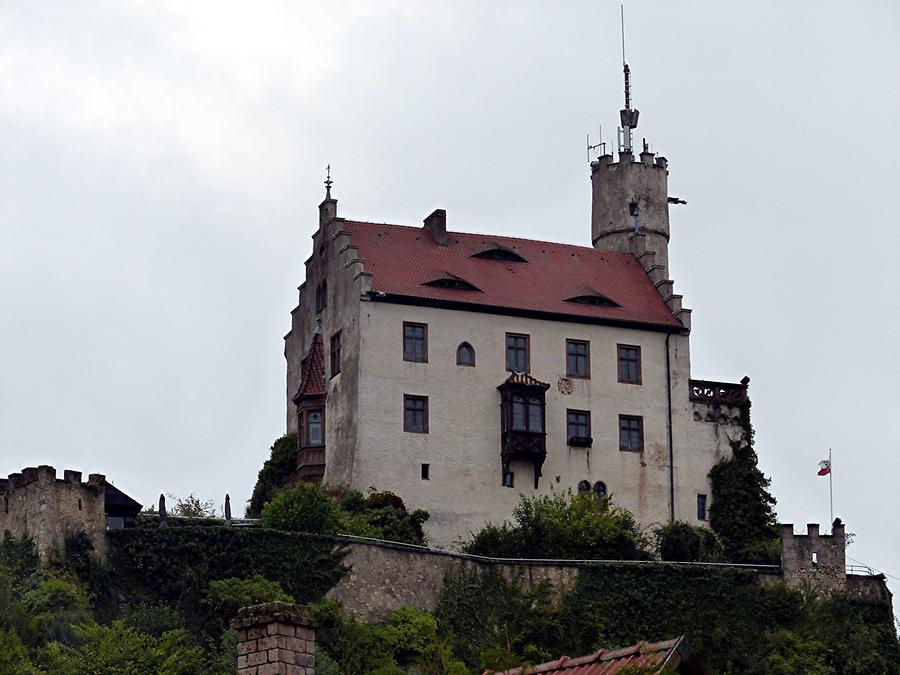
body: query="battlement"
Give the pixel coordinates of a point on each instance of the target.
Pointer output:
(815, 561)
(52, 509)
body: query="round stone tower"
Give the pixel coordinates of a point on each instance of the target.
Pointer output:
(631, 197)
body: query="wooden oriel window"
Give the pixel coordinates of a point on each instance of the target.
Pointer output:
(465, 355)
(415, 414)
(517, 356)
(335, 353)
(313, 422)
(631, 432)
(578, 358)
(629, 364)
(527, 413)
(578, 427)
(415, 342)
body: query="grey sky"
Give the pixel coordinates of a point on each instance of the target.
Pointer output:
(162, 163)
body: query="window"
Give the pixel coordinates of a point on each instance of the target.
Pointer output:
(465, 355)
(527, 413)
(631, 433)
(415, 414)
(509, 479)
(578, 427)
(321, 296)
(594, 299)
(599, 489)
(499, 253)
(701, 507)
(426, 471)
(584, 488)
(415, 342)
(578, 358)
(336, 353)
(629, 364)
(314, 429)
(517, 353)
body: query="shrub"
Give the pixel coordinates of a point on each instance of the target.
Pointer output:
(275, 474)
(302, 508)
(679, 541)
(381, 515)
(564, 526)
(118, 648)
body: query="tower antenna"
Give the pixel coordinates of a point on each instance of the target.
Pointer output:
(627, 116)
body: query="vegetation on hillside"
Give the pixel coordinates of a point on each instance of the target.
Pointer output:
(275, 474)
(563, 526)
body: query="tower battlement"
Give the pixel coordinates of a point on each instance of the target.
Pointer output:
(51, 509)
(815, 561)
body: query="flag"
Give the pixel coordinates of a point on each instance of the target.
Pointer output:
(824, 467)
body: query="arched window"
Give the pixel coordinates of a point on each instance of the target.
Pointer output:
(584, 487)
(599, 489)
(465, 355)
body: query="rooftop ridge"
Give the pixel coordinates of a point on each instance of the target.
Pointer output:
(495, 236)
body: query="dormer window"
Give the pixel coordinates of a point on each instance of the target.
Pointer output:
(595, 299)
(453, 282)
(500, 253)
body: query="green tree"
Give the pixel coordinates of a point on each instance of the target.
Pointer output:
(743, 509)
(680, 541)
(192, 506)
(118, 648)
(563, 525)
(381, 515)
(275, 474)
(302, 508)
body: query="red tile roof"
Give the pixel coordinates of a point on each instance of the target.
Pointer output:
(312, 370)
(404, 260)
(674, 654)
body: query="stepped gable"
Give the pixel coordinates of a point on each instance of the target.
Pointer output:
(675, 655)
(509, 274)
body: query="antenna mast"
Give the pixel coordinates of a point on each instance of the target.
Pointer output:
(627, 116)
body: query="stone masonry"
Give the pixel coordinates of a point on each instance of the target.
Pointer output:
(50, 510)
(277, 638)
(815, 562)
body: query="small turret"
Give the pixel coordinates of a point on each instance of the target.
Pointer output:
(328, 207)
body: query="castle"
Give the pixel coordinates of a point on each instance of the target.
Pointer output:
(462, 370)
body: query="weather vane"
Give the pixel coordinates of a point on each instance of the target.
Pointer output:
(328, 182)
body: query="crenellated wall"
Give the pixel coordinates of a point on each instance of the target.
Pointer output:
(51, 509)
(813, 561)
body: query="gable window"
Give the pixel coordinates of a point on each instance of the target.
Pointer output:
(465, 355)
(517, 357)
(415, 414)
(336, 353)
(578, 359)
(578, 428)
(415, 342)
(701, 507)
(599, 489)
(631, 432)
(313, 422)
(629, 364)
(321, 296)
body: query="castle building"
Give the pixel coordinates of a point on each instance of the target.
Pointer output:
(462, 370)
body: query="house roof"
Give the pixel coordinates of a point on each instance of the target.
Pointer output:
(556, 280)
(312, 370)
(673, 654)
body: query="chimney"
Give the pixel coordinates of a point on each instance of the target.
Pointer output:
(436, 224)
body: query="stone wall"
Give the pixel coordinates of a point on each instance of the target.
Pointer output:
(813, 561)
(277, 638)
(50, 510)
(386, 576)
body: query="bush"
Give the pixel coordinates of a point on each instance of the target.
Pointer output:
(381, 515)
(682, 542)
(225, 597)
(118, 648)
(275, 474)
(302, 508)
(563, 526)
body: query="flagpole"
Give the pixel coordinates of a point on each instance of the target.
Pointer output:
(831, 485)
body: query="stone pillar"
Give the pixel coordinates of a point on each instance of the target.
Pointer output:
(277, 638)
